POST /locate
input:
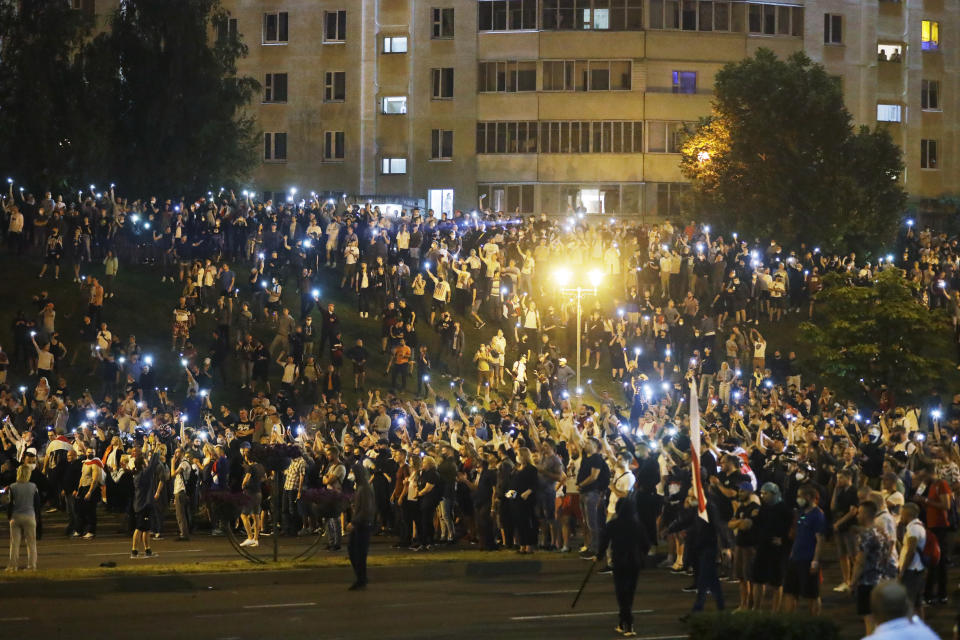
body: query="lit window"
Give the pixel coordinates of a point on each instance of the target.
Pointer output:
(684, 81)
(395, 44)
(889, 113)
(930, 35)
(889, 53)
(394, 105)
(390, 166)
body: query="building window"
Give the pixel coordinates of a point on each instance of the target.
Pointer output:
(227, 30)
(832, 28)
(889, 53)
(440, 201)
(335, 26)
(930, 95)
(275, 27)
(690, 15)
(442, 81)
(889, 113)
(394, 105)
(515, 198)
(930, 35)
(587, 75)
(333, 146)
(275, 147)
(507, 15)
(507, 77)
(774, 20)
(275, 87)
(664, 137)
(684, 81)
(928, 154)
(441, 144)
(442, 23)
(335, 86)
(391, 166)
(395, 44)
(602, 15)
(560, 137)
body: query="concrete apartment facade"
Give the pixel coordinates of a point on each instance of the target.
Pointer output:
(546, 105)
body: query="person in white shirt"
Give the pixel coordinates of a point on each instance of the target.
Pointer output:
(441, 296)
(180, 471)
(892, 612)
(910, 564)
(621, 483)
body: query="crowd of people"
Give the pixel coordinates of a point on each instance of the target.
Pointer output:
(500, 449)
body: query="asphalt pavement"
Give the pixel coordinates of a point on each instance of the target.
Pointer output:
(508, 596)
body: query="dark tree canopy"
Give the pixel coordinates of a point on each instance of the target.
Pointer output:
(779, 157)
(153, 103)
(880, 334)
(40, 130)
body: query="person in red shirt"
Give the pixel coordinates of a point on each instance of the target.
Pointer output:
(934, 496)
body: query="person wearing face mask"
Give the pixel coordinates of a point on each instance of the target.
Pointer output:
(802, 578)
(772, 526)
(88, 493)
(363, 512)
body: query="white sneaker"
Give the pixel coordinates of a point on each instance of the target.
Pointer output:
(254, 543)
(843, 587)
(246, 543)
(88, 536)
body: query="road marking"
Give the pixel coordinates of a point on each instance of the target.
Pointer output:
(14, 619)
(127, 553)
(662, 637)
(545, 593)
(572, 615)
(280, 606)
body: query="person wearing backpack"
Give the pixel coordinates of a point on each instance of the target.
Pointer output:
(934, 495)
(914, 547)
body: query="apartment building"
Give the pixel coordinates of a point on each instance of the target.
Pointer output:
(554, 105)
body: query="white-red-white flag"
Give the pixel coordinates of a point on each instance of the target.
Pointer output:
(695, 451)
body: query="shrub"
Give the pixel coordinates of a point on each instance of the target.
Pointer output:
(762, 625)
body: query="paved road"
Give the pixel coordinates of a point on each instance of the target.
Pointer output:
(508, 599)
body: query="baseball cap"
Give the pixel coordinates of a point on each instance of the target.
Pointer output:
(745, 486)
(245, 445)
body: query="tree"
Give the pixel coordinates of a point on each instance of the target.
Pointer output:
(39, 129)
(778, 157)
(866, 336)
(168, 76)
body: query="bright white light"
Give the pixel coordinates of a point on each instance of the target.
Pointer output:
(595, 276)
(315, 293)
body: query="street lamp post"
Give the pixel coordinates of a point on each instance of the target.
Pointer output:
(562, 276)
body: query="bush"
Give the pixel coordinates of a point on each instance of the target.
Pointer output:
(762, 625)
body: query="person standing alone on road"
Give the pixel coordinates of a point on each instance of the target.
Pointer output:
(628, 546)
(363, 511)
(22, 512)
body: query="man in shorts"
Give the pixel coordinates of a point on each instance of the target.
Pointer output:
(802, 579)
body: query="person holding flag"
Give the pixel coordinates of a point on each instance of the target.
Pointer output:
(702, 535)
